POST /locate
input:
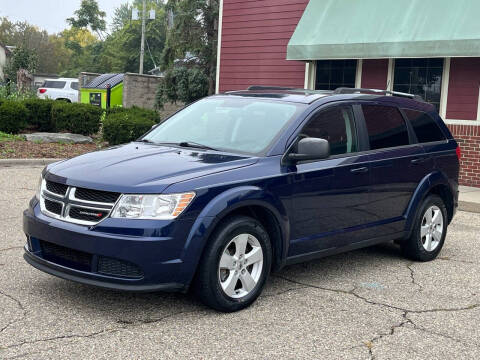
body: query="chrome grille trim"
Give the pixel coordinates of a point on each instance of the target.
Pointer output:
(68, 201)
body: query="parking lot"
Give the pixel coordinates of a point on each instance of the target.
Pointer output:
(367, 304)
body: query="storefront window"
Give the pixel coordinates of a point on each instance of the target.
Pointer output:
(332, 74)
(420, 77)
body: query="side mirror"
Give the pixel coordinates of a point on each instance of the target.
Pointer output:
(310, 149)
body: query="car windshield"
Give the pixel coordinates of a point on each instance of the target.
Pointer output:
(228, 124)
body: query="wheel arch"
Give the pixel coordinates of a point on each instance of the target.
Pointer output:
(434, 183)
(246, 200)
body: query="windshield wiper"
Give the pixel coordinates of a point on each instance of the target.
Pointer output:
(146, 141)
(193, 144)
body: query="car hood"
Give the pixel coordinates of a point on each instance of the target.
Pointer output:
(138, 167)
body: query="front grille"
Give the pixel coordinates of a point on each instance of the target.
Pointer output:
(76, 205)
(53, 206)
(65, 256)
(96, 195)
(115, 267)
(56, 188)
(85, 214)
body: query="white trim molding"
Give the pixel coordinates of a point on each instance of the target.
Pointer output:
(310, 75)
(219, 46)
(444, 88)
(462, 122)
(358, 74)
(390, 74)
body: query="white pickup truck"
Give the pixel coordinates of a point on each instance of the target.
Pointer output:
(65, 89)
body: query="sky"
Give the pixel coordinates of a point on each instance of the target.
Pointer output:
(49, 14)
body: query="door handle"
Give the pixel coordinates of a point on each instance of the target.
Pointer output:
(418, 161)
(359, 170)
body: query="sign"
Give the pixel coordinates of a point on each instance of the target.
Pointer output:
(96, 99)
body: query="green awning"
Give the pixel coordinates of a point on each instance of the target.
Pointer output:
(359, 29)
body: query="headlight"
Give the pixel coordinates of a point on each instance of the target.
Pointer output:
(39, 188)
(158, 207)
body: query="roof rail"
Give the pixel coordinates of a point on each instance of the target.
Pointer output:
(261, 87)
(345, 90)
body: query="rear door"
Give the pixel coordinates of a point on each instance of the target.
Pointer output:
(398, 164)
(330, 195)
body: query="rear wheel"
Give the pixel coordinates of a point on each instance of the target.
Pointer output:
(235, 265)
(430, 229)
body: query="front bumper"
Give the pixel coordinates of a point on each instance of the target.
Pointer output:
(105, 254)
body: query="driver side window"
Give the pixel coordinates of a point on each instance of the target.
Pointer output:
(335, 124)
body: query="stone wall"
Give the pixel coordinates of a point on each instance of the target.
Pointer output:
(140, 90)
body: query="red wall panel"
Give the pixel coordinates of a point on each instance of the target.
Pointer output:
(374, 73)
(462, 99)
(255, 34)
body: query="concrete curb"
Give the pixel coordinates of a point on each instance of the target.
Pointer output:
(469, 206)
(26, 162)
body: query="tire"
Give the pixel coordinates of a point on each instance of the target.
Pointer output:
(426, 242)
(226, 285)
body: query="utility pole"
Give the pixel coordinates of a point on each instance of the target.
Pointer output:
(142, 46)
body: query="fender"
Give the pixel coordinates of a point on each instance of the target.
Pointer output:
(423, 188)
(223, 204)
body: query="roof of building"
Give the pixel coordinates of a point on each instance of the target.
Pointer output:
(101, 82)
(346, 29)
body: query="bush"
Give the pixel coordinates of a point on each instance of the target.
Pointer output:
(13, 117)
(125, 125)
(76, 118)
(40, 114)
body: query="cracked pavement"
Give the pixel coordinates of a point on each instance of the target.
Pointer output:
(367, 304)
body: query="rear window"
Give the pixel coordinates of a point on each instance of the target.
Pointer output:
(74, 85)
(386, 126)
(425, 127)
(54, 84)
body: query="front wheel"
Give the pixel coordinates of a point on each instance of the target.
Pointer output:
(235, 265)
(429, 231)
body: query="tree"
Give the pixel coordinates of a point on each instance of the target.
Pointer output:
(89, 16)
(22, 58)
(194, 30)
(121, 16)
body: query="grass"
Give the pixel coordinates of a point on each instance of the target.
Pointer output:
(10, 137)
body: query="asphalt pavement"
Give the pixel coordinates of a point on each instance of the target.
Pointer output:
(367, 304)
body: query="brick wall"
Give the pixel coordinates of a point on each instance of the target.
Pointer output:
(255, 34)
(468, 137)
(140, 90)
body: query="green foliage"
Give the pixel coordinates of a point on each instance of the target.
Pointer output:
(76, 118)
(40, 114)
(123, 125)
(12, 117)
(184, 84)
(22, 58)
(10, 92)
(194, 30)
(10, 137)
(89, 15)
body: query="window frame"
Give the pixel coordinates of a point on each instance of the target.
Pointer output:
(358, 65)
(412, 138)
(325, 107)
(414, 135)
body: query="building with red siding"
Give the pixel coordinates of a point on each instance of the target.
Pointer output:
(426, 47)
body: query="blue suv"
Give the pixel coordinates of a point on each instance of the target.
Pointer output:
(240, 184)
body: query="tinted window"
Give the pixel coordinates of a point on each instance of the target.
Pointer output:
(386, 127)
(332, 74)
(54, 84)
(335, 125)
(420, 77)
(74, 85)
(425, 127)
(228, 123)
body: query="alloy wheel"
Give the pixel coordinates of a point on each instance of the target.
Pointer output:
(431, 229)
(240, 266)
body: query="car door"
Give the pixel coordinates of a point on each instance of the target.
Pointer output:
(330, 195)
(398, 164)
